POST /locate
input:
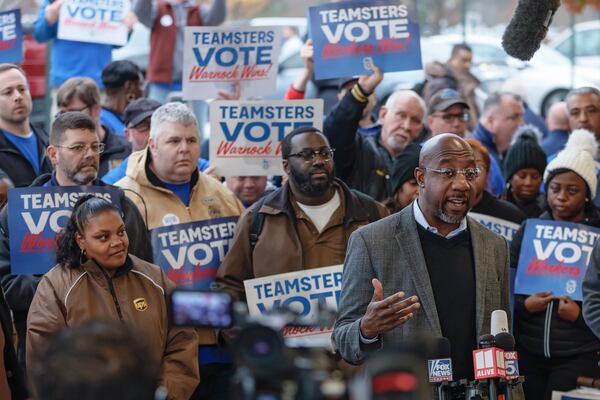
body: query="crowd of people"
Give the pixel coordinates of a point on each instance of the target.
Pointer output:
(384, 188)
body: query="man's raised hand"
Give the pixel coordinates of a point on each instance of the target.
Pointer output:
(383, 315)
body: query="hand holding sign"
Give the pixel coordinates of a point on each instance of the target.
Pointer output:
(307, 53)
(538, 302)
(224, 95)
(53, 11)
(383, 315)
(368, 83)
(568, 309)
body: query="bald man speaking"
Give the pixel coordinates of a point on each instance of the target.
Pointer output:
(428, 269)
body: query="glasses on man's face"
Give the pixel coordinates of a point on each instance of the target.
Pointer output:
(449, 118)
(451, 173)
(325, 154)
(81, 148)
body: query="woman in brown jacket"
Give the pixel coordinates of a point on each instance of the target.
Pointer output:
(95, 278)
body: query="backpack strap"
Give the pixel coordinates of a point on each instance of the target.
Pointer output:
(257, 222)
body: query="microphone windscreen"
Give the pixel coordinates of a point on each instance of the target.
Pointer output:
(505, 341)
(499, 322)
(528, 27)
(486, 341)
(440, 348)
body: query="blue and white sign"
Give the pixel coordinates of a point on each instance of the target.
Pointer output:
(190, 253)
(215, 58)
(554, 257)
(301, 291)
(350, 36)
(94, 21)
(504, 228)
(36, 215)
(11, 37)
(246, 136)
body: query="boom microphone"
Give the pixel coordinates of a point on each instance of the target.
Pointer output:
(528, 27)
(439, 366)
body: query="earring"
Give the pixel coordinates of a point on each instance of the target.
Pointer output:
(130, 97)
(82, 256)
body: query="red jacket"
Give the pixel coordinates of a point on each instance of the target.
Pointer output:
(162, 42)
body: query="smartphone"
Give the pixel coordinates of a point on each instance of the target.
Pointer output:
(368, 63)
(201, 309)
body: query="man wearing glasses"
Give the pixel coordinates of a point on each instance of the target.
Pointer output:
(305, 224)
(448, 113)
(74, 151)
(428, 269)
(22, 155)
(82, 94)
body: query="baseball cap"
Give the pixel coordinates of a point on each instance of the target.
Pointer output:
(138, 110)
(444, 99)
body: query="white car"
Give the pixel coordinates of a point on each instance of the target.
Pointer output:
(587, 43)
(546, 78)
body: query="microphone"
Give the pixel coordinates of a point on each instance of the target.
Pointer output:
(506, 342)
(488, 362)
(499, 322)
(439, 366)
(528, 27)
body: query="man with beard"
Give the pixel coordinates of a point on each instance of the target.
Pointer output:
(22, 155)
(427, 270)
(74, 151)
(365, 163)
(305, 224)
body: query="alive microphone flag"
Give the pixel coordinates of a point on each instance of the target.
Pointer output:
(489, 363)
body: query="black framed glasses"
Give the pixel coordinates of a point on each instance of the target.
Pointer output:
(326, 154)
(451, 173)
(80, 148)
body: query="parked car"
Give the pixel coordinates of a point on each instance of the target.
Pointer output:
(587, 43)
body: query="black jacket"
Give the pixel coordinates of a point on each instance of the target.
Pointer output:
(16, 166)
(14, 372)
(532, 208)
(117, 148)
(360, 161)
(564, 338)
(494, 207)
(19, 289)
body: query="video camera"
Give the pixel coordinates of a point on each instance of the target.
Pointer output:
(268, 366)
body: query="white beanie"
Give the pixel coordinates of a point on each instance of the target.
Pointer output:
(578, 156)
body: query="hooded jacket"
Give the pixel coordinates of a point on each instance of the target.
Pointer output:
(136, 295)
(545, 333)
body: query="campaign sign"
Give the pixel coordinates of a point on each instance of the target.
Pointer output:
(504, 228)
(11, 37)
(215, 58)
(554, 257)
(301, 291)
(190, 253)
(36, 215)
(348, 37)
(245, 138)
(94, 21)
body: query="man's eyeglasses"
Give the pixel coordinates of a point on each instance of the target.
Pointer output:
(449, 118)
(326, 154)
(451, 173)
(83, 148)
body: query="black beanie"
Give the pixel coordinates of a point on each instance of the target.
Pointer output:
(525, 152)
(404, 166)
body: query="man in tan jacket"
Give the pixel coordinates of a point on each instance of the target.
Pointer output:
(164, 182)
